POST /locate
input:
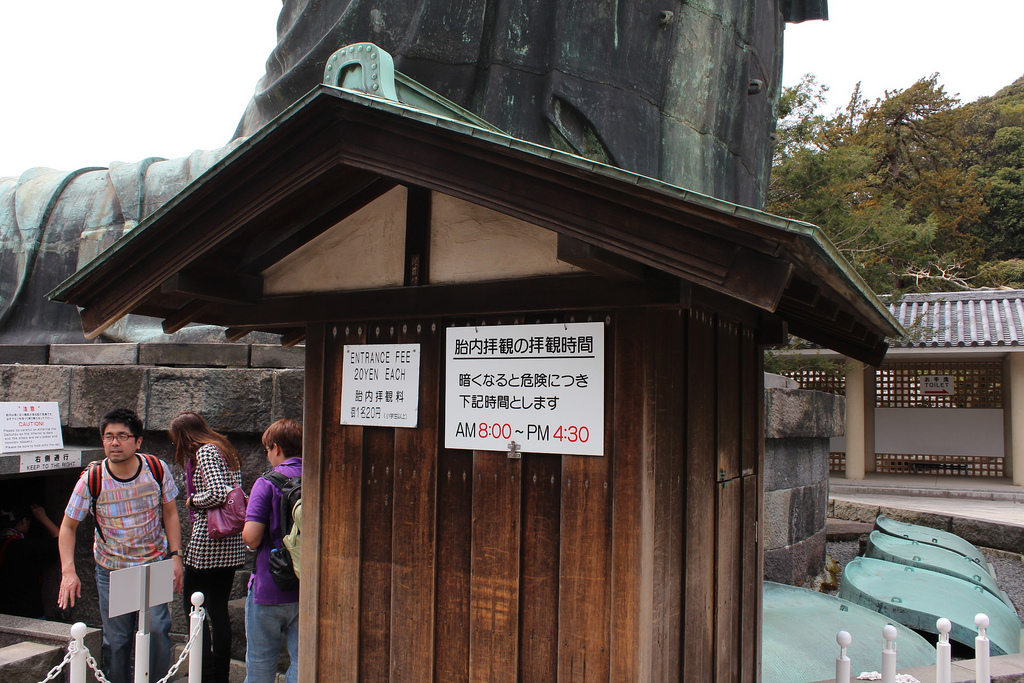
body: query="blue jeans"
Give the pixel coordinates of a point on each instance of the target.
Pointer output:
(264, 626)
(119, 637)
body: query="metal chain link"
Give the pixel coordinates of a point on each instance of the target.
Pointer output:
(196, 631)
(72, 651)
(97, 672)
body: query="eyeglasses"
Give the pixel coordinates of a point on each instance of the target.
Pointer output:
(111, 438)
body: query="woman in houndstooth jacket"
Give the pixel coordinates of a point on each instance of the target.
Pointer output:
(212, 468)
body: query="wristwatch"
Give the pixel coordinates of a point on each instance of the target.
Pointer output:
(173, 553)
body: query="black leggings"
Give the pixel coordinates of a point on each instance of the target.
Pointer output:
(215, 585)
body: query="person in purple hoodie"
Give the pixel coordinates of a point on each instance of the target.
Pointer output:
(271, 613)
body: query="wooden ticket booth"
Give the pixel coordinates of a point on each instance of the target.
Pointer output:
(354, 220)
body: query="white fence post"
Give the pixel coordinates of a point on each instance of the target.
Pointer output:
(889, 654)
(981, 650)
(943, 652)
(142, 657)
(195, 652)
(842, 661)
(78, 665)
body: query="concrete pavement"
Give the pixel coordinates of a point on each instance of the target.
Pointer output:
(988, 512)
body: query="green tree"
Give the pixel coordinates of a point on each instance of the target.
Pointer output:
(888, 182)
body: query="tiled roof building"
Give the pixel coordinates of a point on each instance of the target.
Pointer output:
(978, 318)
(971, 342)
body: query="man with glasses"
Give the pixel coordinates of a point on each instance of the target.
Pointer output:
(136, 523)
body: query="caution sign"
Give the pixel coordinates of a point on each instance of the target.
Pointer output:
(528, 388)
(30, 427)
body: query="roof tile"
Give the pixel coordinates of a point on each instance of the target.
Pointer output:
(977, 318)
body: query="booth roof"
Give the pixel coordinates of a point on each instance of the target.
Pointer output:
(198, 257)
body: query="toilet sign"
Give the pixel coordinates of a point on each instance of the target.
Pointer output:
(935, 385)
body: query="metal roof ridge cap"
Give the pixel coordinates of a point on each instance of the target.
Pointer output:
(500, 139)
(821, 240)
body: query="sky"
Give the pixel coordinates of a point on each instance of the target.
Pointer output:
(84, 83)
(87, 83)
(891, 44)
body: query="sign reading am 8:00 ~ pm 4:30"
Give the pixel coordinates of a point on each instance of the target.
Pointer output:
(539, 386)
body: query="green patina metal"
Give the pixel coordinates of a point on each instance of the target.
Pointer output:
(917, 598)
(799, 636)
(935, 558)
(362, 66)
(929, 536)
(416, 102)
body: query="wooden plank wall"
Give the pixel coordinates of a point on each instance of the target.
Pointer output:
(642, 565)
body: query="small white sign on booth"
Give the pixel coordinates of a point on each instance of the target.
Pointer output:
(30, 427)
(935, 385)
(380, 385)
(529, 388)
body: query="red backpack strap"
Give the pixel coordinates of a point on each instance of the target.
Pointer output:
(156, 466)
(94, 478)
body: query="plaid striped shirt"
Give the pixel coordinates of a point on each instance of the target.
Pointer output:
(130, 513)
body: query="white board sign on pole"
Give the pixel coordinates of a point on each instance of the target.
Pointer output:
(126, 587)
(380, 385)
(30, 427)
(539, 387)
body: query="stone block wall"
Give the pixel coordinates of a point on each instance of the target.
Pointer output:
(242, 389)
(238, 388)
(798, 426)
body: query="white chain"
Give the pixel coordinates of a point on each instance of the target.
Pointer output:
(72, 651)
(91, 661)
(196, 631)
(97, 672)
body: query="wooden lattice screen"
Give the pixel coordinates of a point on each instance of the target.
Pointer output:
(896, 463)
(830, 381)
(977, 384)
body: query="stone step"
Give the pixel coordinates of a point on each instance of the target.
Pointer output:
(236, 612)
(27, 661)
(236, 674)
(29, 648)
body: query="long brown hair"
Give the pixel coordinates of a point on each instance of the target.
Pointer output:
(189, 432)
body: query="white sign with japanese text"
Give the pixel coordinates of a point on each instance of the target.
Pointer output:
(41, 461)
(30, 427)
(380, 385)
(935, 385)
(540, 386)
